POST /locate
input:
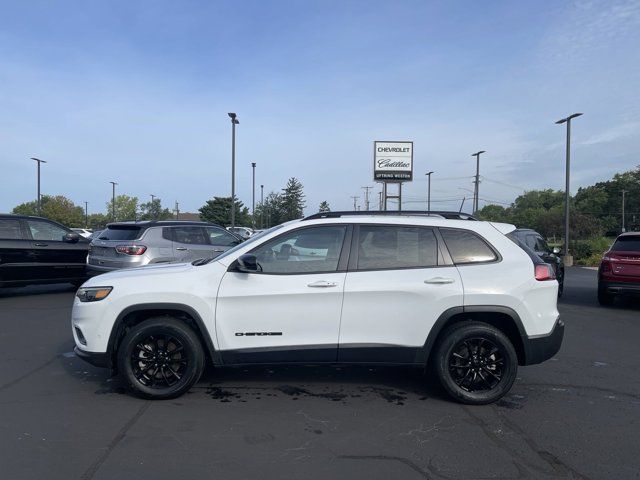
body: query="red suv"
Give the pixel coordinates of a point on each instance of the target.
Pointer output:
(619, 272)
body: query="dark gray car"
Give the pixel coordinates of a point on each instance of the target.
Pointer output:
(135, 244)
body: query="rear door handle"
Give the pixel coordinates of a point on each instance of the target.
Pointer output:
(41, 244)
(322, 284)
(218, 250)
(181, 248)
(439, 280)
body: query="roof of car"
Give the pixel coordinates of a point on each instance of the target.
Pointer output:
(163, 223)
(629, 234)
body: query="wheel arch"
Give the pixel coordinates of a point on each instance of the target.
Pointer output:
(135, 314)
(503, 318)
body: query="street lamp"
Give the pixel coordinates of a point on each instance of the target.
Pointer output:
(86, 214)
(568, 261)
(39, 162)
(253, 196)
(152, 206)
(113, 200)
(234, 122)
(428, 174)
(476, 200)
(261, 206)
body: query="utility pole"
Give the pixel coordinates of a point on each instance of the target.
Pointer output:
(623, 227)
(354, 202)
(261, 206)
(86, 214)
(462, 204)
(366, 197)
(113, 200)
(568, 260)
(253, 196)
(234, 122)
(177, 210)
(39, 202)
(380, 200)
(428, 174)
(476, 200)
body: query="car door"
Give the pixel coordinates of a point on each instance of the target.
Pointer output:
(220, 240)
(400, 280)
(16, 255)
(55, 258)
(190, 242)
(289, 311)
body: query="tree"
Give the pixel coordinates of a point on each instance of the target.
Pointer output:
(292, 200)
(126, 208)
(153, 211)
(324, 207)
(218, 210)
(494, 213)
(57, 208)
(97, 221)
(271, 210)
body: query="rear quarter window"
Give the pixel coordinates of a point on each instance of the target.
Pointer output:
(467, 247)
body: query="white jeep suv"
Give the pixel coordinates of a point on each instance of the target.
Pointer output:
(456, 295)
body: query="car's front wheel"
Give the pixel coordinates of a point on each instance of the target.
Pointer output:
(475, 363)
(160, 358)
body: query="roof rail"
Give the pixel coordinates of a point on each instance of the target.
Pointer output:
(403, 213)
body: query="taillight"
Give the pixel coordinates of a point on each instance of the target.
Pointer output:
(544, 272)
(131, 249)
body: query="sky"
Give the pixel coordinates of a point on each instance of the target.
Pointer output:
(138, 93)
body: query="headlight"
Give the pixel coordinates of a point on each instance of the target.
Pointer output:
(93, 294)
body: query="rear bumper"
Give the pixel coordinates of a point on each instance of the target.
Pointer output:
(620, 288)
(541, 348)
(96, 359)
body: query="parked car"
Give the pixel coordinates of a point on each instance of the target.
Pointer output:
(455, 295)
(37, 250)
(82, 232)
(538, 244)
(95, 234)
(244, 232)
(619, 271)
(135, 244)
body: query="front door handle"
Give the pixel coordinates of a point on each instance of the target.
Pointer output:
(439, 280)
(218, 249)
(322, 284)
(182, 249)
(41, 244)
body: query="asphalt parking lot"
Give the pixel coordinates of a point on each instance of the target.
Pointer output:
(575, 416)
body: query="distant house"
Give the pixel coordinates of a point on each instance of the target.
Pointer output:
(193, 217)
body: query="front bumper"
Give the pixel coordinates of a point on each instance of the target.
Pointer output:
(541, 348)
(96, 359)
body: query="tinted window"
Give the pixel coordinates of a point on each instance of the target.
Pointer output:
(10, 229)
(627, 244)
(541, 245)
(530, 240)
(219, 236)
(46, 231)
(190, 235)
(467, 247)
(306, 250)
(121, 232)
(396, 247)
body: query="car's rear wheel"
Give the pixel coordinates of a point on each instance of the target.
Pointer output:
(475, 363)
(161, 358)
(604, 297)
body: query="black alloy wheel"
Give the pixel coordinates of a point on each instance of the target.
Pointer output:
(476, 364)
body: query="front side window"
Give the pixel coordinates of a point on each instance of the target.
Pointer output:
(306, 250)
(219, 236)
(190, 235)
(10, 229)
(467, 247)
(46, 231)
(390, 247)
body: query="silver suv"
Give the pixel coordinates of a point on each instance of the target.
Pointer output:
(134, 244)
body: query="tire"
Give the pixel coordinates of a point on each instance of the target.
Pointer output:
(481, 350)
(605, 299)
(561, 284)
(149, 367)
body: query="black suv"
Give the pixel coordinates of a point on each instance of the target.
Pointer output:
(535, 242)
(37, 250)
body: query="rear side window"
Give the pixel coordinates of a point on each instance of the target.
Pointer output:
(627, 244)
(467, 247)
(121, 232)
(389, 247)
(10, 229)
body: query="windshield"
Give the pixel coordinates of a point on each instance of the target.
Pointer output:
(250, 240)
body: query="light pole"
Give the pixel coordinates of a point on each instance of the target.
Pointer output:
(623, 227)
(86, 214)
(253, 195)
(366, 197)
(234, 122)
(568, 260)
(39, 162)
(153, 197)
(476, 200)
(428, 174)
(113, 200)
(261, 206)
(354, 202)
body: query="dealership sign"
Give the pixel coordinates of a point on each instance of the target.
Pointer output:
(393, 161)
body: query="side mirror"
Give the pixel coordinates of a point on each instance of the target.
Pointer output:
(71, 237)
(247, 263)
(556, 250)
